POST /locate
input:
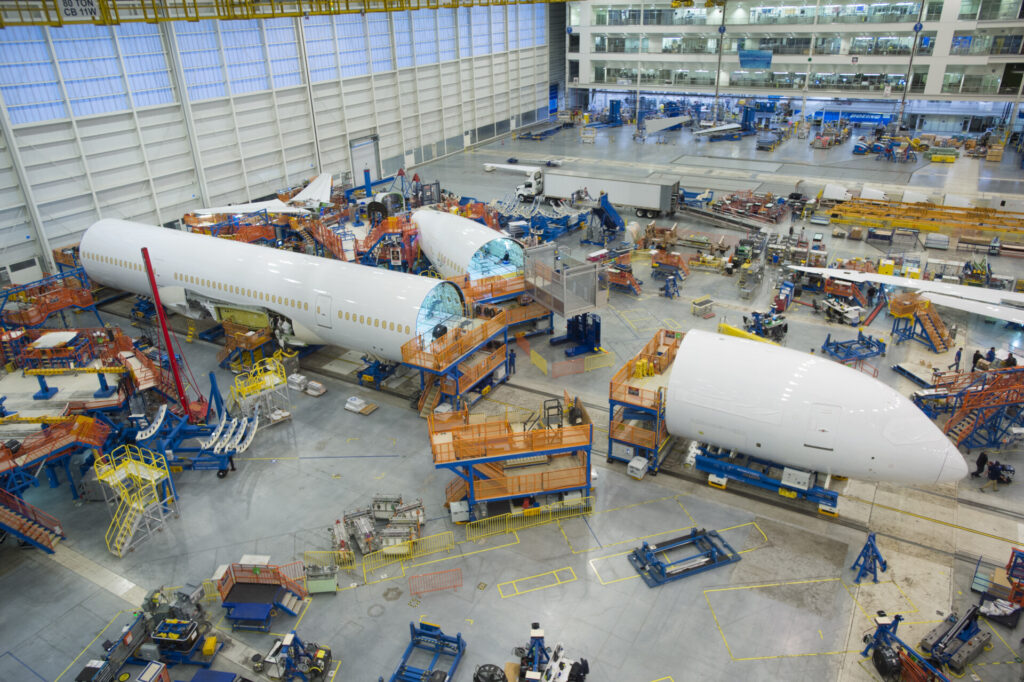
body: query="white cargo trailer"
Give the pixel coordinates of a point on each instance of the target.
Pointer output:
(651, 196)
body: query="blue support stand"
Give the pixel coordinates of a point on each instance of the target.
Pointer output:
(869, 561)
(45, 392)
(105, 390)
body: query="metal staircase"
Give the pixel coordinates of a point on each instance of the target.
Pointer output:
(140, 482)
(914, 318)
(430, 398)
(28, 524)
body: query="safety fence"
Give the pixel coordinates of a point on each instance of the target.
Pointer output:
(209, 592)
(528, 518)
(561, 368)
(530, 484)
(657, 356)
(290, 576)
(439, 354)
(471, 372)
(470, 441)
(435, 582)
(343, 560)
(489, 287)
(637, 435)
(405, 552)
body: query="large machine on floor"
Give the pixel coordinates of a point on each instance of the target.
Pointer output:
(706, 549)
(428, 638)
(292, 659)
(169, 628)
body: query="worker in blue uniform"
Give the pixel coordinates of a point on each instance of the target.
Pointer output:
(956, 360)
(511, 360)
(991, 355)
(995, 470)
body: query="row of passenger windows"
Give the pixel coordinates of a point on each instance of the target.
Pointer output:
(375, 322)
(117, 262)
(264, 296)
(256, 295)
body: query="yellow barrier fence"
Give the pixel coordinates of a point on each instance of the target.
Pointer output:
(538, 360)
(592, 362)
(329, 558)
(407, 551)
(528, 518)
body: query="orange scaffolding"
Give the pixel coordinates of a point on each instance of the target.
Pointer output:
(636, 401)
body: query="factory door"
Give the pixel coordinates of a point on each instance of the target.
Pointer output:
(323, 310)
(365, 155)
(821, 432)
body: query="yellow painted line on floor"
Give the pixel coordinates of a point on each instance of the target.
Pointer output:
(307, 602)
(764, 536)
(850, 590)
(554, 574)
(1000, 637)
(636, 540)
(870, 671)
(598, 573)
(940, 522)
(89, 645)
(686, 511)
(755, 587)
(664, 679)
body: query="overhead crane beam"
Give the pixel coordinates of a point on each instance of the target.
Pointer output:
(111, 12)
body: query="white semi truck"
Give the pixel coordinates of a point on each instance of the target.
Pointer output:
(652, 196)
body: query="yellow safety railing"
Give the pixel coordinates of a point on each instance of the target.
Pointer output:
(340, 559)
(528, 518)
(592, 362)
(136, 475)
(266, 374)
(407, 551)
(56, 13)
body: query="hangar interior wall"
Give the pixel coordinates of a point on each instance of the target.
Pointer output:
(145, 122)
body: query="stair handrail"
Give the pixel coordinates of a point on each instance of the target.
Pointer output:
(16, 504)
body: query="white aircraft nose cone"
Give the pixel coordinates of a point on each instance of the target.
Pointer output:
(954, 468)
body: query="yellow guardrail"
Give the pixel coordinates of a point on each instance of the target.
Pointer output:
(539, 360)
(592, 362)
(344, 560)
(407, 551)
(528, 518)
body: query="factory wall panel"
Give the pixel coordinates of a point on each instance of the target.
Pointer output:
(145, 122)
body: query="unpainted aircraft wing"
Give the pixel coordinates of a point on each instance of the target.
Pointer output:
(1000, 312)
(316, 192)
(512, 168)
(717, 129)
(653, 125)
(945, 290)
(273, 206)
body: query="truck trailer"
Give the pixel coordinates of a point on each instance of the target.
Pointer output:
(651, 197)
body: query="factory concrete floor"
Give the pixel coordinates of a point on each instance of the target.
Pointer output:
(789, 610)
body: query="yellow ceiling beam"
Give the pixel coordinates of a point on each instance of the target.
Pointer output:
(109, 12)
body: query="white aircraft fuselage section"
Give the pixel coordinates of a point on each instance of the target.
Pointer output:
(454, 245)
(803, 411)
(327, 301)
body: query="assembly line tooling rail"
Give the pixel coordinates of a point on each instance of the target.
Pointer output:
(459, 436)
(658, 354)
(926, 217)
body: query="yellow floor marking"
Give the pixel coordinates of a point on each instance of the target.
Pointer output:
(554, 574)
(996, 633)
(932, 519)
(87, 646)
(850, 589)
(755, 587)
(610, 556)
(664, 679)
(672, 323)
(305, 607)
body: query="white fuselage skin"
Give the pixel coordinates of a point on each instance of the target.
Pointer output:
(450, 241)
(803, 411)
(328, 301)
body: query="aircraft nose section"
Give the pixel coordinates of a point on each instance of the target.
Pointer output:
(954, 467)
